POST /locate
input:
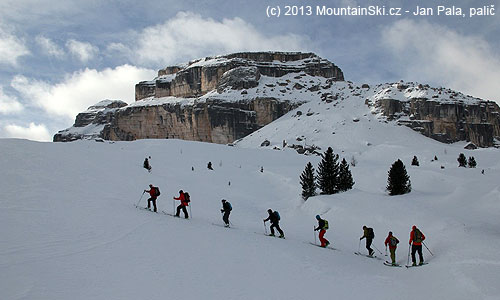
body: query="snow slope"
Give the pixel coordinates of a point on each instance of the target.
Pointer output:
(69, 228)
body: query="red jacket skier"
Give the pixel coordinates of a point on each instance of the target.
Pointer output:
(416, 239)
(184, 202)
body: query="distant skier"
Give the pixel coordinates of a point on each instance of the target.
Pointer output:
(185, 199)
(416, 239)
(322, 227)
(154, 192)
(369, 235)
(392, 241)
(274, 218)
(209, 165)
(226, 209)
(146, 165)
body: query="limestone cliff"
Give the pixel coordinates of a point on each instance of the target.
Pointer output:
(214, 99)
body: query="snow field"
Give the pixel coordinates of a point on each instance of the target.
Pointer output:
(69, 228)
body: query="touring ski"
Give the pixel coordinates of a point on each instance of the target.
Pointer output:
(411, 266)
(391, 265)
(327, 247)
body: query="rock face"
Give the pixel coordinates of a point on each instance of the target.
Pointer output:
(442, 114)
(202, 76)
(215, 99)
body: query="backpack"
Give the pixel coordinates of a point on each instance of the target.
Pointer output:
(393, 241)
(157, 192)
(186, 197)
(229, 206)
(417, 237)
(326, 225)
(277, 215)
(371, 234)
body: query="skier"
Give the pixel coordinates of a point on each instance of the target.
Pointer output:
(209, 165)
(322, 227)
(146, 165)
(369, 235)
(416, 239)
(274, 217)
(154, 192)
(226, 209)
(184, 202)
(392, 241)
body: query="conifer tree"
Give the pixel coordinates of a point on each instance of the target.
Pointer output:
(345, 177)
(328, 172)
(414, 162)
(472, 162)
(398, 181)
(462, 160)
(307, 180)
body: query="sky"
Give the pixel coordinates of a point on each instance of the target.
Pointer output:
(59, 57)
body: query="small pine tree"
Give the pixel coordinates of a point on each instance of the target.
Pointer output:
(462, 160)
(307, 180)
(414, 162)
(398, 181)
(328, 172)
(472, 162)
(345, 177)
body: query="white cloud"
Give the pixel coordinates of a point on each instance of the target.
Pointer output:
(189, 36)
(434, 53)
(11, 48)
(9, 104)
(83, 51)
(82, 89)
(32, 132)
(49, 47)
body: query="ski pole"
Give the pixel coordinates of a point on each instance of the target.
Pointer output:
(173, 204)
(314, 236)
(140, 198)
(190, 213)
(359, 246)
(385, 250)
(265, 228)
(377, 249)
(427, 248)
(408, 262)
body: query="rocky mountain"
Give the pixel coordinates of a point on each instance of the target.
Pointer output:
(225, 98)
(214, 99)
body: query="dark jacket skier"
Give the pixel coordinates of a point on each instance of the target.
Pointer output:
(322, 227)
(226, 210)
(183, 204)
(368, 234)
(146, 165)
(416, 240)
(275, 222)
(392, 241)
(153, 193)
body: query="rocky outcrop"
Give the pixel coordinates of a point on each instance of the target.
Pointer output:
(91, 123)
(202, 76)
(215, 99)
(457, 118)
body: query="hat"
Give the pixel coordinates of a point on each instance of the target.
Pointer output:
(390, 232)
(223, 200)
(180, 192)
(318, 217)
(414, 227)
(269, 210)
(150, 185)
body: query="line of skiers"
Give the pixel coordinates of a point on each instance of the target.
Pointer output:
(416, 240)
(416, 236)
